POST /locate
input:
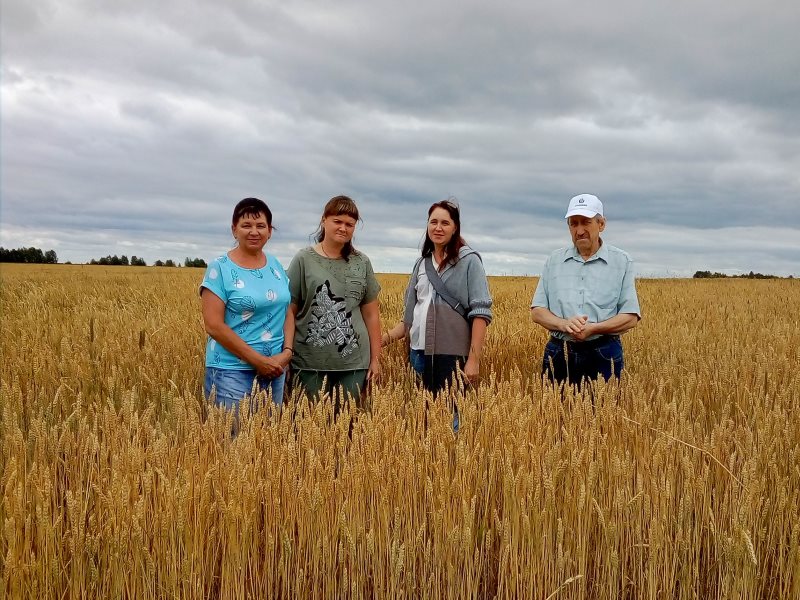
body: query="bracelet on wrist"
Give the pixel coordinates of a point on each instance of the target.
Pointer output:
(290, 349)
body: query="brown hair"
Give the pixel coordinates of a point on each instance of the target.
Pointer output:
(339, 205)
(455, 243)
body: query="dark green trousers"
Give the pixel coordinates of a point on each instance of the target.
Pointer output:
(339, 385)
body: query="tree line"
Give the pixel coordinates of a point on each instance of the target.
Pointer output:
(36, 255)
(140, 262)
(750, 275)
(28, 255)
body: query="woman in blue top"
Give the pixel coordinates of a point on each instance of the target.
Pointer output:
(245, 297)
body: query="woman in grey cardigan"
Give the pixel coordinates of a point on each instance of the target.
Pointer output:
(447, 304)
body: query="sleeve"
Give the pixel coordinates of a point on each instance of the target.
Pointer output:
(540, 295)
(214, 281)
(410, 296)
(480, 300)
(628, 300)
(373, 287)
(279, 267)
(296, 275)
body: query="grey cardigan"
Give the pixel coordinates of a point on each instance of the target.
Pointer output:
(446, 331)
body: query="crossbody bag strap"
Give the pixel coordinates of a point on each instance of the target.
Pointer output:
(441, 288)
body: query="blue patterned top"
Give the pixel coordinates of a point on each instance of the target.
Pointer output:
(255, 300)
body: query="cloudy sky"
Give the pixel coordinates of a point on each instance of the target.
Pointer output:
(134, 126)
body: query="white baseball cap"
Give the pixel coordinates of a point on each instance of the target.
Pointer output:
(585, 205)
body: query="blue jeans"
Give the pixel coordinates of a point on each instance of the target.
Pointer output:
(232, 385)
(583, 360)
(417, 360)
(436, 371)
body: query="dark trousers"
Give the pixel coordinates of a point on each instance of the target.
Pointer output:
(583, 360)
(437, 370)
(338, 385)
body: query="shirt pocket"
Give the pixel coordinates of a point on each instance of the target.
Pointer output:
(355, 282)
(604, 287)
(355, 288)
(606, 298)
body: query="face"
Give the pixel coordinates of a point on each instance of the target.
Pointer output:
(441, 227)
(252, 232)
(339, 228)
(586, 233)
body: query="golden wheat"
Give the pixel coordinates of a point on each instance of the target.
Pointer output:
(119, 481)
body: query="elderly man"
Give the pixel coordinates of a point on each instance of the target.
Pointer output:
(586, 298)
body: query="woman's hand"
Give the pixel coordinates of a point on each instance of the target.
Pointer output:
(472, 370)
(284, 358)
(269, 366)
(374, 372)
(398, 332)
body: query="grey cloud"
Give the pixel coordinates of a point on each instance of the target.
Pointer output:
(155, 118)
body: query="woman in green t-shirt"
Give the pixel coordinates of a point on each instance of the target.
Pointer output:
(335, 303)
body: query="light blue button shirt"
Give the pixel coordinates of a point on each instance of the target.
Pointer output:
(601, 286)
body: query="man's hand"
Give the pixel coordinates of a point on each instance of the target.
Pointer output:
(574, 325)
(585, 333)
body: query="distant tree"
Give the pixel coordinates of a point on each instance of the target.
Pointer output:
(169, 263)
(194, 262)
(27, 255)
(50, 257)
(158, 263)
(137, 262)
(717, 275)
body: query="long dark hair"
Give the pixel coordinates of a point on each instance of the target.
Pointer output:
(339, 205)
(455, 243)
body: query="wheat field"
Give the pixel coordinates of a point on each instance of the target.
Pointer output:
(118, 481)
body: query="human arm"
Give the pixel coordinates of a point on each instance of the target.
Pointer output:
(370, 312)
(616, 325)
(544, 317)
(479, 314)
(477, 337)
(398, 332)
(213, 310)
(285, 356)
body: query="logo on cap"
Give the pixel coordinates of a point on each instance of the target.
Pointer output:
(580, 201)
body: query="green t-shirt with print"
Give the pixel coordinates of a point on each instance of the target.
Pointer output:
(330, 333)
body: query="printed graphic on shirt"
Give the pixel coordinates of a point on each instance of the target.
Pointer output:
(237, 283)
(331, 323)
(244, 306)
(215, 357)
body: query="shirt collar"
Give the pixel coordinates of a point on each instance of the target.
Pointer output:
(602, 254)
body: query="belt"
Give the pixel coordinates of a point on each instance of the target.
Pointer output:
(590, 345)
